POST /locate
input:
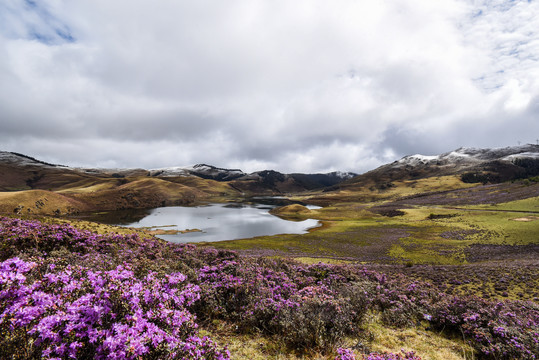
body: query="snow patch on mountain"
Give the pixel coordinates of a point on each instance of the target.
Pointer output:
(524, 155)
(214, 173)
(23, 160)
(417, 159)
(170, 171)
(471, 156)
(345, 175)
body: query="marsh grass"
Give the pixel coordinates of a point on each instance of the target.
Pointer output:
(423, 235)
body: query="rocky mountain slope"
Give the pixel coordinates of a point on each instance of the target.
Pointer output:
(471, 164)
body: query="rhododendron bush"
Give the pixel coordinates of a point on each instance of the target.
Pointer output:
(68, 294)
(76, 312)
(347, 354)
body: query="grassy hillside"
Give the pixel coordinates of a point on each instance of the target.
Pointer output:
(99, 194)
(30, 202)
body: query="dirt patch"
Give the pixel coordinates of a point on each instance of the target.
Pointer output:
(526, 218)
(459, 234)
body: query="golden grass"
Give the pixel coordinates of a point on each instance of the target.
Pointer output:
(253, 346)
(367, 191)
(425, 343)
(37, 202)
(294, 210)
(375, 336)
(525, 205)
(89, 186)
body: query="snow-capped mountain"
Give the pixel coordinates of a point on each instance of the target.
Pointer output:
(13, 158)
(33, 173)
(472, 156)
(491, 164)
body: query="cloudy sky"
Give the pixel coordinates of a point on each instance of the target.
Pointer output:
(303, 85)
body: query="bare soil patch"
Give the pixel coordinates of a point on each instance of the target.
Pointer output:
(526, 218)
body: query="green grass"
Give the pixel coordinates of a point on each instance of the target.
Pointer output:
(352, 232)
(525, 205)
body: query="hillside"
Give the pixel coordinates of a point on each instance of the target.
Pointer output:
(421, 174)
(86, 189)
(472, 164)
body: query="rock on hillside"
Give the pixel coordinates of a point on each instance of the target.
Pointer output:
(214, 173)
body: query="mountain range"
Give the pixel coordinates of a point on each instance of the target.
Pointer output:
(37, 171)
(34, 186)
(473, 165)
(29, 185)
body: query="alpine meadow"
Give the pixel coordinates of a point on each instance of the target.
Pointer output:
(251, 180)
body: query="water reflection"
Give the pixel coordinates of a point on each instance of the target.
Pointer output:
(217, 222)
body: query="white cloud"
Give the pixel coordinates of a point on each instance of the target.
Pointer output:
(294, 86)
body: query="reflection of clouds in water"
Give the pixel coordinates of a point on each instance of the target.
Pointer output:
(221, 222)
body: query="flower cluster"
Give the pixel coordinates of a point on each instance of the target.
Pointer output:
(67, 293)
(79, 313)
(347, 354)
(307, 309)
(500, 330)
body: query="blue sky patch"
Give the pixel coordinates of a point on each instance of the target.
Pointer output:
(34, 21)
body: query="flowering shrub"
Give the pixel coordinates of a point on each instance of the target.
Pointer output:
(80, 313)
(305, 312)
(347, 354)
(66, 293)
(508, 330)
(318, 319)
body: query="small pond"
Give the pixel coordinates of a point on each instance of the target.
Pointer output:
(212, 222)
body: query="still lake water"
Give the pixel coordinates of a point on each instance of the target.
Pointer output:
(218, 222)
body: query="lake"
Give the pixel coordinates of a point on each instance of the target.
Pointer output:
(214, 222)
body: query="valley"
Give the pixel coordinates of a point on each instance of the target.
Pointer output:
(464, 224)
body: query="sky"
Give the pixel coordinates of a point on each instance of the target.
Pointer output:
(294, 86)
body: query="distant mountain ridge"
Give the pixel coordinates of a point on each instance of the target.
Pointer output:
(472, 164)
(467, 155)
(21, 159)
(31, 186)
(260, 181)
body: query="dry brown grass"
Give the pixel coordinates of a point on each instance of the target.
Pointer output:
(370, 191)
(31, 202)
